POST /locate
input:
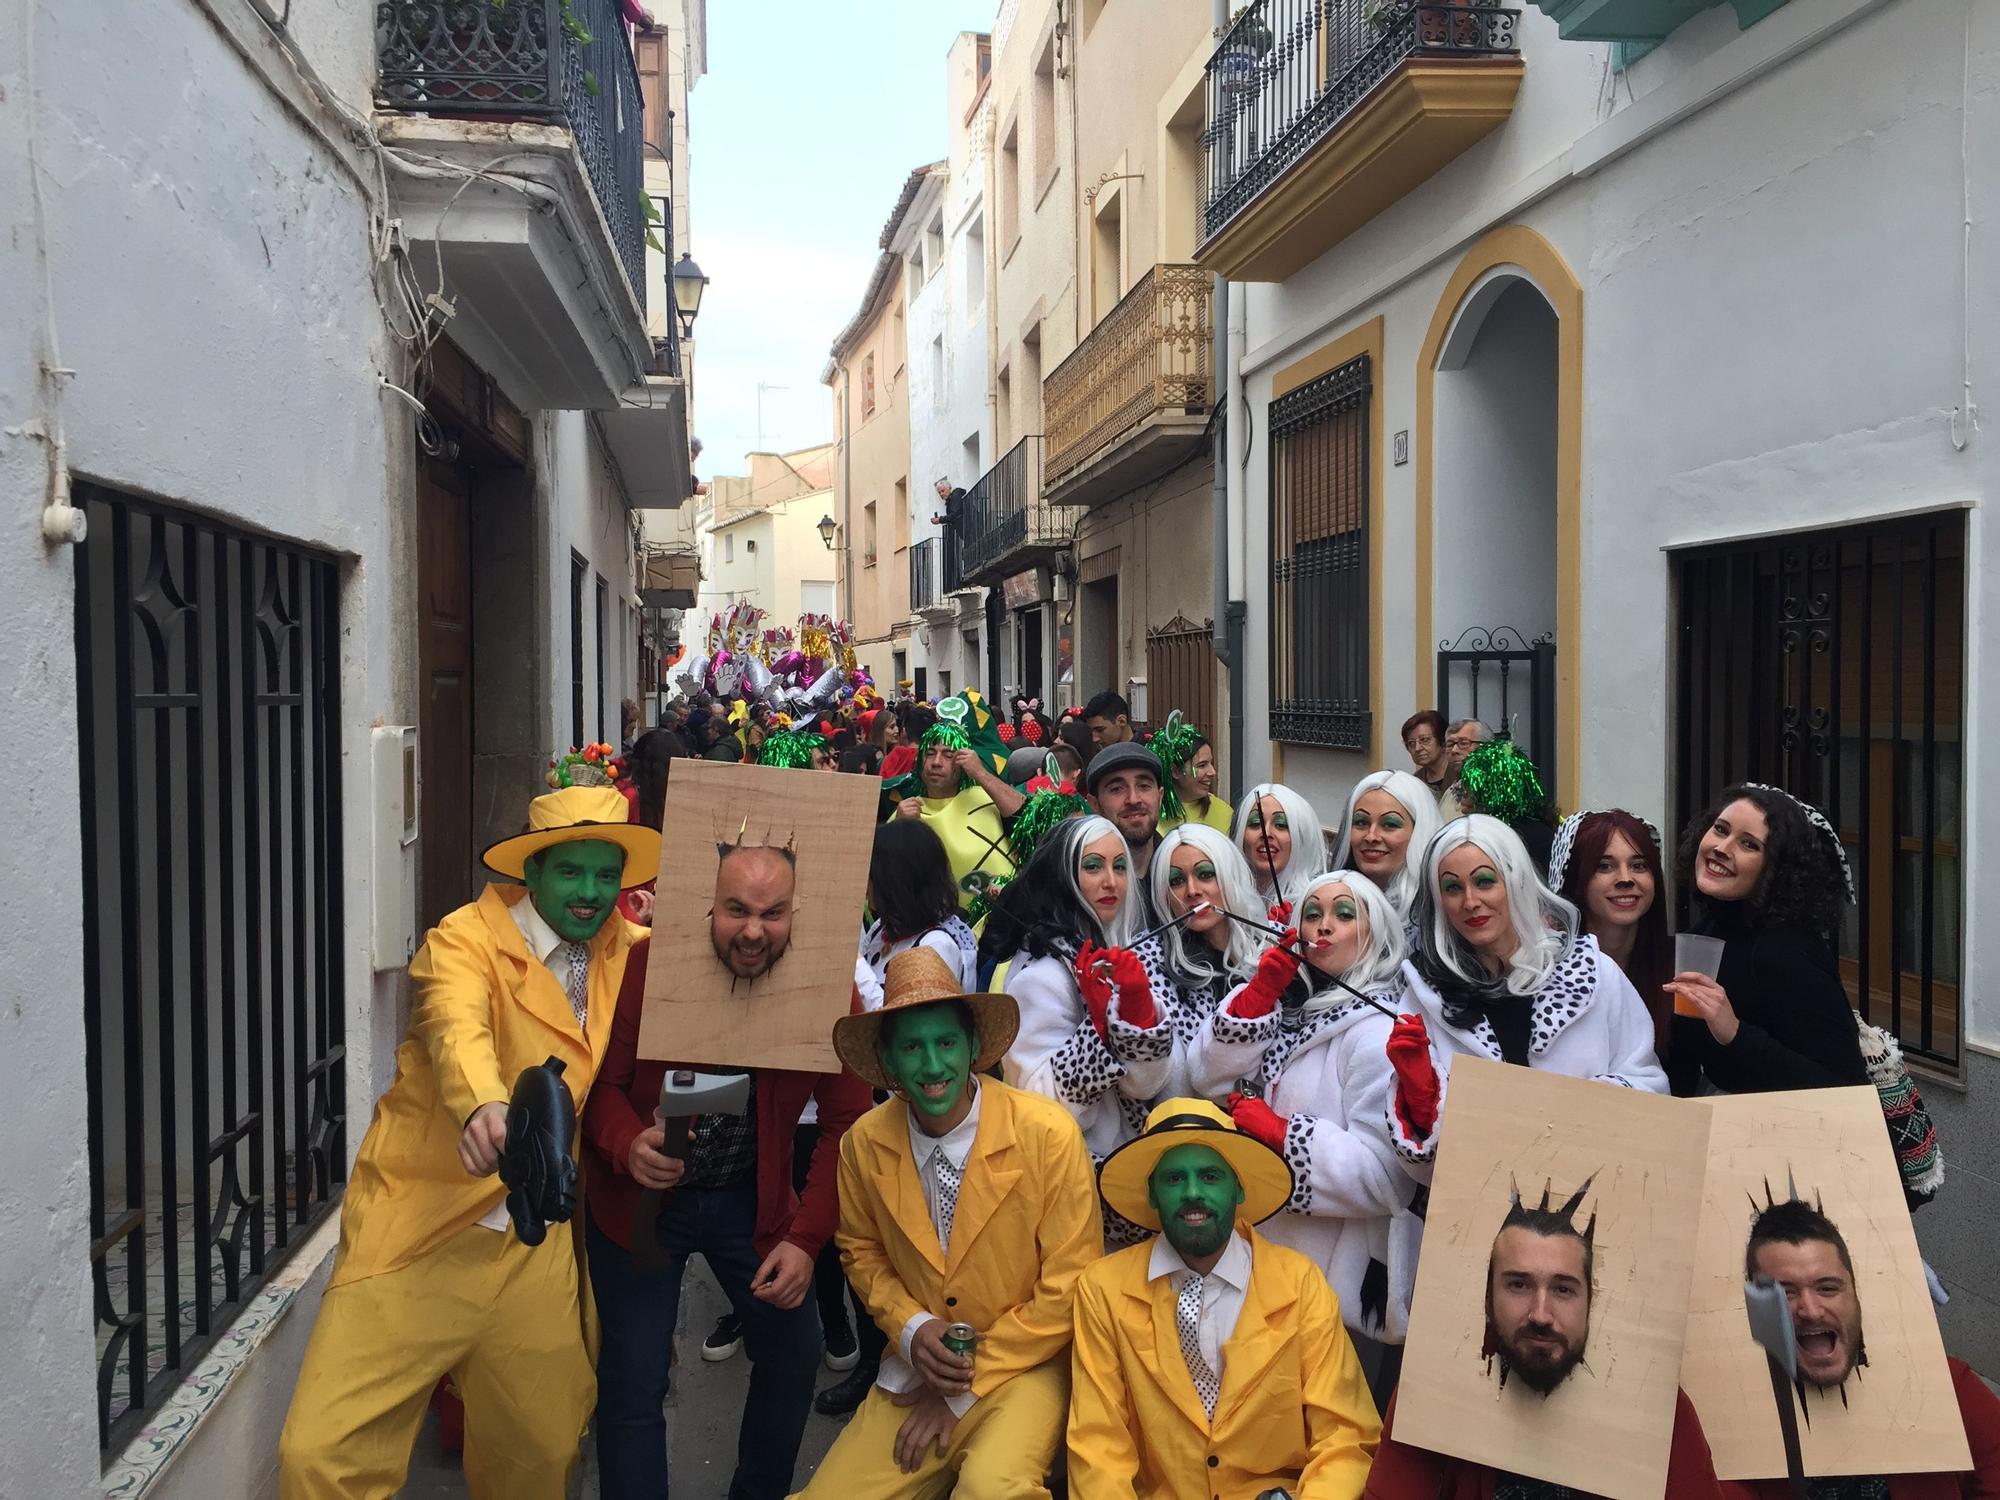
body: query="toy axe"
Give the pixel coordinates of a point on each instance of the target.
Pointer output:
(1771, 1327)
(684, 1094)
(538, 1161)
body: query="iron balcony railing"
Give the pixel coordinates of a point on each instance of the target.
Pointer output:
(565, 62)
(1007, 526)
(1288, 71)
(1150, 354)
(924, 574)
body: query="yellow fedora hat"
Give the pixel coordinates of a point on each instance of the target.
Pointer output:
(575, 815)
(918, 976)
(1267, 1180)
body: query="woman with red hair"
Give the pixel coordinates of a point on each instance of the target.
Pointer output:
(1608, 866)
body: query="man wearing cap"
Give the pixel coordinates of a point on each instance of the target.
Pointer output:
(1210, 1361)
(430, 1278)
(1125, 783)
(962, 1202)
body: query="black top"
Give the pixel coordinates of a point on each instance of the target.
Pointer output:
(1796, 1027)
(1540, 841)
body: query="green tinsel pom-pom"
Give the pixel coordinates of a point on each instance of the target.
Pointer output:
(790, 748)
(1501, 782)
(1173, 745)
(1040, 813)
(949, 735)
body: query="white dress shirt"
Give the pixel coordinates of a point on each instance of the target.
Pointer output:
(897, 1373)
(552, 951)
(1222, 1293)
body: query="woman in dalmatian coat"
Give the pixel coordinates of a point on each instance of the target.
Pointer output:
(1094, 1034)
(1309, 1046)
(1501, 971)
(1209, 955)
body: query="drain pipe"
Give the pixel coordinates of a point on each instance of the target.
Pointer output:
(1221, 641)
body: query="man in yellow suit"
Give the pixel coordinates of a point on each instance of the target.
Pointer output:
(965, 1207)
(1211, 1362)
(430, 1278)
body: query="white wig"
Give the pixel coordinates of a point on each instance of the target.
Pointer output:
(1416, 800)
(1239, 894)
(1123, 925)
(1308, 857)
(1378, 960)
(1543, 922)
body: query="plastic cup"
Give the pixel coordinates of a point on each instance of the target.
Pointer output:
(1695, 953)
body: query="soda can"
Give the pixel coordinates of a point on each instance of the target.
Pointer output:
(961, 1338)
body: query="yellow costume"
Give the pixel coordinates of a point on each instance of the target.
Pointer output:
(1294, 1408)
(1217, 814)
(420, 1288)
(974, 839)
(1026, 1226)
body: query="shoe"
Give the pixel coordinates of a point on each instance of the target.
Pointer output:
(843, 1352)
(842, 1397)
(725, 1339)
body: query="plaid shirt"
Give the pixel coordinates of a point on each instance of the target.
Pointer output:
(723, 1150)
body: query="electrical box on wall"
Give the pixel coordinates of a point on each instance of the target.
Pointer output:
(397, 786)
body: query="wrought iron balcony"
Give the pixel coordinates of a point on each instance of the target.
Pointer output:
(1290, 171)
(1132, 398)
(556, 62)
(924, 594)
(1006, 526)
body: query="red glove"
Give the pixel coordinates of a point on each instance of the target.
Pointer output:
(1281, 913)
(1277, 968)
(1417, 1088)
(1259, 1121)
(1095, 987)
(1135, 989)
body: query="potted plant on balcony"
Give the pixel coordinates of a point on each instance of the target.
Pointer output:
(1241, 56)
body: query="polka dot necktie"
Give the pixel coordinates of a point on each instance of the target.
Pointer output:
(579, 982)
(947, 1184)
(1187, 1317)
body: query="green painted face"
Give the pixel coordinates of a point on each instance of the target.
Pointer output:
(575, 886)
(929, 1053)
(1196, 1193)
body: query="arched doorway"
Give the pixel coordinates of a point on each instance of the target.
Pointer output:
(1499, 429)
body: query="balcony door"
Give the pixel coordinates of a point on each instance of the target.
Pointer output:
(444, 668)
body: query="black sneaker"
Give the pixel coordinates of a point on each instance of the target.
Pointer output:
(843, 1352)
(842, 1397)
(725, 1339)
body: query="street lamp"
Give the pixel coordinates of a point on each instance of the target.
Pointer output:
(826, 529)
(689, 284)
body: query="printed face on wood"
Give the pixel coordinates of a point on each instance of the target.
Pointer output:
(1538, 1292)
(762, 874)
(1797, 1248)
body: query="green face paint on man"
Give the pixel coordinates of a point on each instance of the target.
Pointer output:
(928, 1051)
(1197, 1194)
(575, 886)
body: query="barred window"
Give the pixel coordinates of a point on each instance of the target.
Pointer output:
(1319, 560)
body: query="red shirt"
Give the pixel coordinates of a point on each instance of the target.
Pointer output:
(1980, 1409)
(627, 1091)
(1402, 1472)
(900, 760)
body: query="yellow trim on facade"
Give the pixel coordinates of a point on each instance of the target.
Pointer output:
(1542, 264)
(1366, 339)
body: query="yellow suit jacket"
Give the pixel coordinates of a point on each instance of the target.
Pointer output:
(484, 1010)
(1025, 1227)
(1294, 1409)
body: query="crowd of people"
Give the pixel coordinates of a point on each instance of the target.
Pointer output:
(1121, 1186)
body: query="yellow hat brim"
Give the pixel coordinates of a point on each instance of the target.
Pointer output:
(1266, 1179)
(858, 1038)
(641, 845)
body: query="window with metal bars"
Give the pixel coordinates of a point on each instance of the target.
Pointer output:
(1319, 560)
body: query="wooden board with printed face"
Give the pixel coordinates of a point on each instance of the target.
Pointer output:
(1606, 1428)
(1897, 1413)
(768, 866)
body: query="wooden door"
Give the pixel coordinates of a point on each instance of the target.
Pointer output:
(444, 658)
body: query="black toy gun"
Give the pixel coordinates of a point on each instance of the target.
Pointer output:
(538, 1163)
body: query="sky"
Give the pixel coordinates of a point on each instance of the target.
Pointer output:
(811, 115)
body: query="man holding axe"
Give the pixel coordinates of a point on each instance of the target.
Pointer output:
(680, 1161)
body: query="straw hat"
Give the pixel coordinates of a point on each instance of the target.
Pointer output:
(918, 976)
(580, 814)
(1266, 1179)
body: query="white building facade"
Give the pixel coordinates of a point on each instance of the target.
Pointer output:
(1633, 387)
(316, 558)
